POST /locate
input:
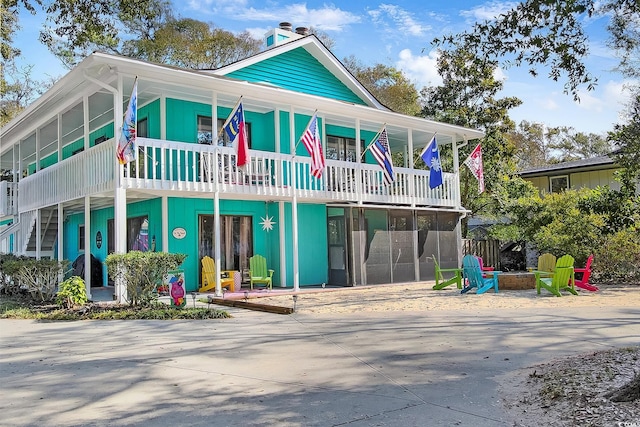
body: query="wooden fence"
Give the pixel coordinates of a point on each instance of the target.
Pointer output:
(489, 250)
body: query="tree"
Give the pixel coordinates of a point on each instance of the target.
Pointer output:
(19, 89)
(626, 138)
(468, 97)
(189, 43)
(530, 143)
(143, 29)
(551, 33)
(389, 85)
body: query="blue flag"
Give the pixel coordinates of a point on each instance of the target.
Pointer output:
(431, 157)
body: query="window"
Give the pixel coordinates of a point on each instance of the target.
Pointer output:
(559, 183)
(339, 148)
(143, 128)
(81, 237)
(137, 234)
(205, 132)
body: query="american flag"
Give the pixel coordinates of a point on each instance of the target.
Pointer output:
(311, 140)
(382, 153)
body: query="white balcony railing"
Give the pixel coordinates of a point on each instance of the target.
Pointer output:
(83, 174)
(8, 198)
(184, 167)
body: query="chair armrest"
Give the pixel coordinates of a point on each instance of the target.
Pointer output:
(271, 272)
(581, 270)
(450, 270)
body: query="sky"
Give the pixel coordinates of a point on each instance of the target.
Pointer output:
(398, 34)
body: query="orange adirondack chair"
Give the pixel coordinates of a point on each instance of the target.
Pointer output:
(582, 281)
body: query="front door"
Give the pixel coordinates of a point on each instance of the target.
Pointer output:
(338, 251)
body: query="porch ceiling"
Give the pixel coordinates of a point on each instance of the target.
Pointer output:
(155, 81)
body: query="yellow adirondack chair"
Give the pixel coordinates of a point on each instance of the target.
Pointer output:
(209, 276)
(562, 278)
(258, 272)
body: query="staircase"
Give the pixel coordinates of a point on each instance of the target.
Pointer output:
(48, 234)
(20, 237)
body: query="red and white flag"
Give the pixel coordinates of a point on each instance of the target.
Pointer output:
(311, 140)
(474, 163)
(236, 129)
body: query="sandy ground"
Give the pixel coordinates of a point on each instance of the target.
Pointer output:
(566, 392)
(421, 296)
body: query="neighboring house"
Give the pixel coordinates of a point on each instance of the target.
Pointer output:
(184, 195)
(589, 173)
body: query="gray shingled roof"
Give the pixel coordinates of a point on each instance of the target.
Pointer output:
(593, 163)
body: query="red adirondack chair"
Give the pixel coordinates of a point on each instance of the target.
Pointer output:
(583, 274)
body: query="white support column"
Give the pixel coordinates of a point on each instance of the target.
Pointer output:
(59, 137)
(163, 117)
(359, 191)
(38, 232)
(37, 149)
(281, 213)
(294, 202)
(87, 245)
(85, 113)
(60, 236)
(165, 224)
(411, 165)
(120, 195)
(217, 232)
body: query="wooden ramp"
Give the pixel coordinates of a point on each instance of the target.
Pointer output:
(250, 305)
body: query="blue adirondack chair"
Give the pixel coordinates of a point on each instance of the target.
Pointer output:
(472, 274)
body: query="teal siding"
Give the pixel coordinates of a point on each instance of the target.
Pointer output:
(99, 218)
(299, 71)
(313, 249)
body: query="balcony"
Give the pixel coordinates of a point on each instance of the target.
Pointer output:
(196, 170)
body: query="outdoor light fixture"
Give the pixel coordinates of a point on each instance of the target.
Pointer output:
(193, 296)
(295, 300)
(246, 296)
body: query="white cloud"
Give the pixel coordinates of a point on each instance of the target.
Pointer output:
(326, 18)
(420, 69)
(487, 11)
(549, 104)
(403, 21)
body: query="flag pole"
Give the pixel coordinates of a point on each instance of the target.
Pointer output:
(372, 141)
(306, 127)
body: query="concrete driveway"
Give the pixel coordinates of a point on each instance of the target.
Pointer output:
(258, 369)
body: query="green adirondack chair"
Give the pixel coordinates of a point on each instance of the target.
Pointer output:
(563, 278)
(441, 283)
(258, 272)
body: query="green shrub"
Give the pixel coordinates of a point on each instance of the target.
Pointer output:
(142, 272)
(8, 268)
(39, 277)
(72, 292)
(617, 260)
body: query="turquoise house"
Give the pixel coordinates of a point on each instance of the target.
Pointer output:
(69, 196)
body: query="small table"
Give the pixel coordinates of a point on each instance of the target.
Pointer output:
(516, 280)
